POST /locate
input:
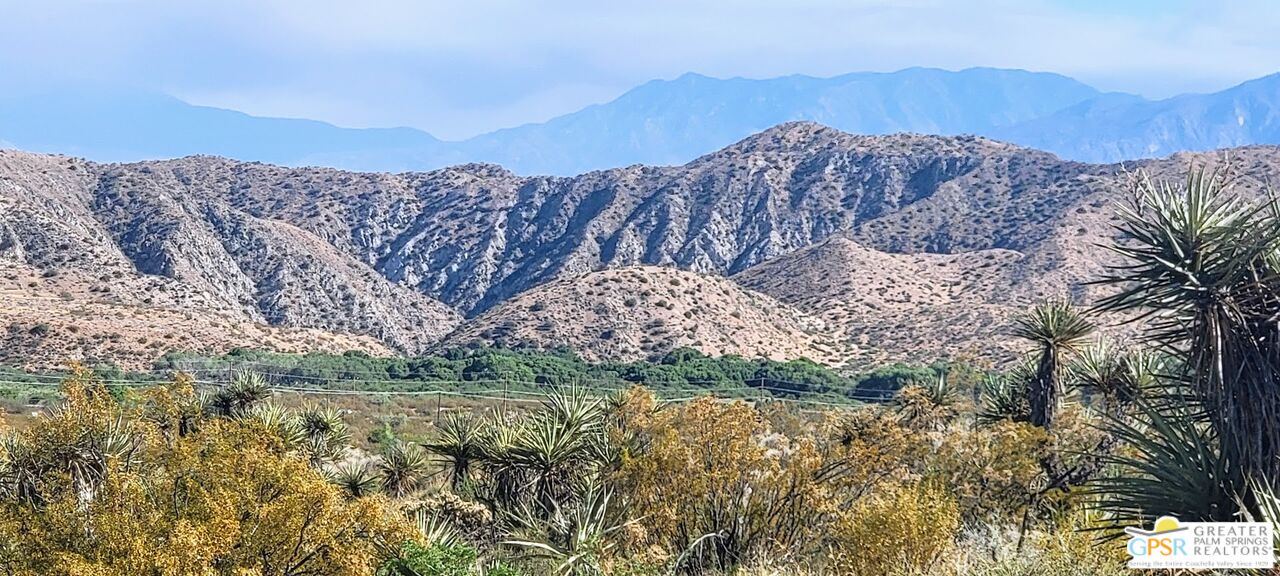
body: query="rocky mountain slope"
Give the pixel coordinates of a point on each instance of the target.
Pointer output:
(925, 233)
(143, 238)
(893, 307)
(49, 320)
(475, 235)
(639, 312)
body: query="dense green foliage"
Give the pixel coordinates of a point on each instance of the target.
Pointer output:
(435, 560)
(683, 372)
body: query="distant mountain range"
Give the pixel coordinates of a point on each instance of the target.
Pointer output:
(667, 122)
(800, 240)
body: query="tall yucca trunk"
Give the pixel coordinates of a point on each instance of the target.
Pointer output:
(1234, 366)
(1201, 264)
(1045, 392)
(1057, 329)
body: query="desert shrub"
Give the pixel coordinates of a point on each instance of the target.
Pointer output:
(156, 487)
(906, 530)
(1070, 546)
(472, 520)
(415, 559)
(993, 472)
(747, 492)
(728, 482)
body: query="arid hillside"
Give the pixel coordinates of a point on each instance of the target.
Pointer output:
(47, 321)
(930, 242)
(636, 313)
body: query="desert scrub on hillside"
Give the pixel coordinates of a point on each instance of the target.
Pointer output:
(1025, 472)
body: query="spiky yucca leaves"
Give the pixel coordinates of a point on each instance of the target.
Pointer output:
(435, 529)
(1057, 330)
(404, 469)
(82, 439)
(928, 405)
(535, 460)
(325, 437)
(1268, 508)
(20, 469)
(1004, 397)
(572, 540)
(504, 481)
(280, 421)
(356, 479)
(1172, 466)
(1202, 265)
(460, 442)
(552, 453)
(575, 408)
(1119, 377)
(237, 398)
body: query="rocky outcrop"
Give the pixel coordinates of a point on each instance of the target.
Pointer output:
(403, 257)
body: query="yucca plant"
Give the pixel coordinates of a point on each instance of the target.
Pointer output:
(237, 398)
(1058, 330)
(281, 422)
(575, 408)
(1168, 465)
(404, 469)
(325, 437)
(1004, 397)
(504, 479)
(1202, 266)
(459, 442)
(356, 479)
(1267, 503)
(553, 453)
(435, 529)
(1107, 372)
(573, 540)
(931, 404)
(21, 469)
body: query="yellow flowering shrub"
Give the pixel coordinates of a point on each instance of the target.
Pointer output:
(904, 530)
(218, 498)
(993, 471)
(716, 473)
(711, 468)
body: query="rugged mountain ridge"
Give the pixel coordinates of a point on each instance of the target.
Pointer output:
(403, 257)
(148, 240)
(475, 235)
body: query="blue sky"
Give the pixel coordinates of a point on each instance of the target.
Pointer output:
(457, 68)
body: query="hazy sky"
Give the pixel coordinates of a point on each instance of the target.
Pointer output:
(456, 68)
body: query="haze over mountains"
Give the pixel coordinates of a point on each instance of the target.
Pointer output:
(801, 240)
(669, 122)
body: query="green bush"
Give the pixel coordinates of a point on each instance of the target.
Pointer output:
(436, 560)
